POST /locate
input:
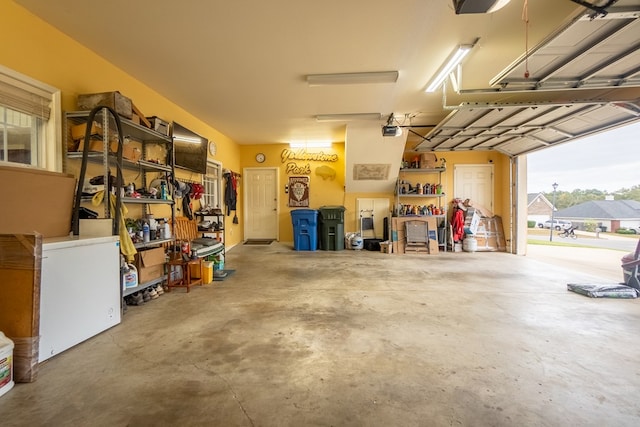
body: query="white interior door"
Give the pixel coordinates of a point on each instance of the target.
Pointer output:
(474, 182)
(261, 203)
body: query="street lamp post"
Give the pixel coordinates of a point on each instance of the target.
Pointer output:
(553, 208)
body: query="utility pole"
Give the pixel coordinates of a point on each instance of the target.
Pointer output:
(553, 209)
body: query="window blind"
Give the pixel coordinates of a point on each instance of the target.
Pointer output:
(24, 98)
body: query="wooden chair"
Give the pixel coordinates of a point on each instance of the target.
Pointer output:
(184, 230)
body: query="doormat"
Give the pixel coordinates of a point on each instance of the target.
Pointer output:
(220, 279)
(258, 241)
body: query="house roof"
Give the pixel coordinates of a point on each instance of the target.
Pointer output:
(602, 209)
(532, 197)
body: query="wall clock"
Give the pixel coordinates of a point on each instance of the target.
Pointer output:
(260, 157)
(212, 148)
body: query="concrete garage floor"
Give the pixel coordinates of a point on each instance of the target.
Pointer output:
(353, 339)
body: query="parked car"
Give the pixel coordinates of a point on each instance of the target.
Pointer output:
(634, 230)
(557, 224)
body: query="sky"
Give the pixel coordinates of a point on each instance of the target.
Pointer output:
(607, 161)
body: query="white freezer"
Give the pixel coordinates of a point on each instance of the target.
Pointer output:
(79, 291)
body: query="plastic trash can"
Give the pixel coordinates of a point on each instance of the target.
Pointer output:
(332, 228)
(305, 229)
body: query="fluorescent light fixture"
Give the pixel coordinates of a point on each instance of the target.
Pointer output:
(348, 117)
(352, 78)
(310, 144)
(454, 60)
(498, 5)
(188, 139)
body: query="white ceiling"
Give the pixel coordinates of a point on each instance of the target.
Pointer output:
(240, 65)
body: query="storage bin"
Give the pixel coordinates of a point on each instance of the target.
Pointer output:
(207, 272)
(305, 225)
(332, 227)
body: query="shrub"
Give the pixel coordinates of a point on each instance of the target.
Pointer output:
(624, 231)
(590, 226)
(531, 224)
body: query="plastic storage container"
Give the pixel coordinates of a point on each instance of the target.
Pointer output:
(207, 272)
(305, 229)
(6, 364)
(332, 227)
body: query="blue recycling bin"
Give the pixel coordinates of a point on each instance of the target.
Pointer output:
(305, 229)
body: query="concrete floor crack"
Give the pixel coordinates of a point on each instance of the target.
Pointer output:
(233, 392)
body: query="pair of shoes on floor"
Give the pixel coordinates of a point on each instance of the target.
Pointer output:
(135, 299)
(159, 289)
(220, 274)
(153, 294)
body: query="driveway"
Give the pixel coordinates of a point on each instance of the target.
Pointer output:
(601, 260)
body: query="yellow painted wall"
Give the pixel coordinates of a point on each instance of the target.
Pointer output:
(323, 191)
(38, 50)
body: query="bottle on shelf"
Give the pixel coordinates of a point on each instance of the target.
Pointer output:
(146, 234)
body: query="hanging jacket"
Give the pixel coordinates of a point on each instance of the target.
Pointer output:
(457, 224)
(230, 193)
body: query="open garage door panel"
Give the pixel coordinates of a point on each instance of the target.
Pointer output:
(516, 129)
(583, 79)
(591, 51)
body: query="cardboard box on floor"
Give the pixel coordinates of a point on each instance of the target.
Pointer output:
(399, 238)
(20, 270)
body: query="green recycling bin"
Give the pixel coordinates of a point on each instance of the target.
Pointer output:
(331, 228)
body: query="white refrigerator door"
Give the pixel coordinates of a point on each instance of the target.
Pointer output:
(79, 292)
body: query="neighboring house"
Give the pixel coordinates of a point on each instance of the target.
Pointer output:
(538, 208)
(609, 215)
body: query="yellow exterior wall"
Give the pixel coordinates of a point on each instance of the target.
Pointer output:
(40, 51)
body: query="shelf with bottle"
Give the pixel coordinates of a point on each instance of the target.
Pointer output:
(420, 210)
(407, 189)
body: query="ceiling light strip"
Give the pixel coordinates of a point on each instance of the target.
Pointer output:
(352, 78)
(454, 60)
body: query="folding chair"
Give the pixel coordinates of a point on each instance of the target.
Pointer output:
(417, 235)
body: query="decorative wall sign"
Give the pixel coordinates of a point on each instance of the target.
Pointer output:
(326, 172)
(292, 159)
(371, 172)
(298, 191)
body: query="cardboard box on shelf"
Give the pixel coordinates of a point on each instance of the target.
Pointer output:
(150, 264)
(428, 161)
(97, 144)
(129, 151)
(78, 131)
(114, 100)
(159, 125)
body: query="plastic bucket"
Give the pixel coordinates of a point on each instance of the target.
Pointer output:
(6, 364)
(469, 244)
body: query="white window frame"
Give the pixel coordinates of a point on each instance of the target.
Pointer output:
(212, 201)
(50, 154)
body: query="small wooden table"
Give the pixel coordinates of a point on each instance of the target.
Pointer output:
(186, 281)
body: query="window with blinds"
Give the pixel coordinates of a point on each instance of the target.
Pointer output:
(27, 129)
(212, 183)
